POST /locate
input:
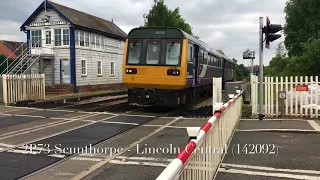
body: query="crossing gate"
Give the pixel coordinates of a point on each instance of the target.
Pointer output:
(16, 88)
(201, 157)
(301, 96)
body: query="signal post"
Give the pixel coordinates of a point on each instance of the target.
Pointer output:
(269, 30)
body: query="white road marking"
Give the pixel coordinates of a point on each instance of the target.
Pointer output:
(268, 174)
(175, 127)
(24, 115)
(114, 122)
(105, 161)
(314, 125)
(86, 159)
(57, 156)
(62, 132)
(279, 130)
(271, 168)
(274, 119)
(139, 163)
(6, 145)
(139, 115)
(145, 159)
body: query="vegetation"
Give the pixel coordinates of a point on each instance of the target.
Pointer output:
(4, 65)
(161, 15)
(241, 72)
(300, 55)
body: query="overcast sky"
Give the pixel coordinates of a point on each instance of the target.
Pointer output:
(230, 25)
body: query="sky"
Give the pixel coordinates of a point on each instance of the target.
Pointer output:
(230, 25)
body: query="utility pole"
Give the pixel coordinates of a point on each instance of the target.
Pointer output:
(269, 30)
(261, 69)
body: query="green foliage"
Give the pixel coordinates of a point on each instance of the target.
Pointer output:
(241, 72)
(302, 24)
(160, 15)
(4, 65)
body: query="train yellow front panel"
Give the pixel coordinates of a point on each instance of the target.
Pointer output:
(156, 76)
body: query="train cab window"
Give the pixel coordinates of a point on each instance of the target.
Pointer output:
(134, 52)
(173, 53)
(211, 61)
(153, 52)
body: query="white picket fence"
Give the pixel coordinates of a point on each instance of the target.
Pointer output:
(17, 88)
(298, 103)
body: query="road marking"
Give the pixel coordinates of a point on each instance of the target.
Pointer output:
(62, 132)
(115, 122)
(45, 126)
(6, 145)
(86, 159)
(138, 115)
(175, 127)
(275, 130)
(314, 125)
(271, 168)
(138, 163)
(268, 174)
(145, 159)
(24, 115)
(274, 119)
(105, 161)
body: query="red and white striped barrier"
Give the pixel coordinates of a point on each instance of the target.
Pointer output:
(207, 133)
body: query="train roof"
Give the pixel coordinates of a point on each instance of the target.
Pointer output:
(174, 33)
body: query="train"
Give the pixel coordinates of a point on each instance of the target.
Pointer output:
(168, 67)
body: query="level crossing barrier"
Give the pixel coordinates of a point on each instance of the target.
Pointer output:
(200, 158)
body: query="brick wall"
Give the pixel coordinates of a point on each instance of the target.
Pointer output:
(6, 51)
(102, 87)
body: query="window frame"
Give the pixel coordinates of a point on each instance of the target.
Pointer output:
(114, 68)
(86, 68)
(99, 74)
(39, 42)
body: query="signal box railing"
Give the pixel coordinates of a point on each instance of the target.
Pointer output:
(200, 158)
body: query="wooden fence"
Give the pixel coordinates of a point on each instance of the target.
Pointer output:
(17, 88)
(302, 96)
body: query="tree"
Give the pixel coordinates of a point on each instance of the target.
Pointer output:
(302, 24)
(160, 15)
(308, 63)
(220, 51)
(241, 72)
(278, 63)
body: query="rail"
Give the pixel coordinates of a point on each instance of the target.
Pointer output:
(201, 157)
(17, 88)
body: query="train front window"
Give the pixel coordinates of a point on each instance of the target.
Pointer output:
(173, 53)
(134, 53)
(153, 52)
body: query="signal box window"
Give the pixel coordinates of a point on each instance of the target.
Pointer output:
(134, 52)
(173, 53)
(153, 52)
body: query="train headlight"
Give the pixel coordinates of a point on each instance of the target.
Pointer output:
(131, 71)
(173, 72)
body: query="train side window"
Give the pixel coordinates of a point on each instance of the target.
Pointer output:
(201, 56)
(205, 60)
(134, 52)
(153, 52)
(190, 56)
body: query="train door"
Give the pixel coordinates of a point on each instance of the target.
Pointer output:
(196, 65)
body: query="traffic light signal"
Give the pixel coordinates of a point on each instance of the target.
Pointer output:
(270, 30)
